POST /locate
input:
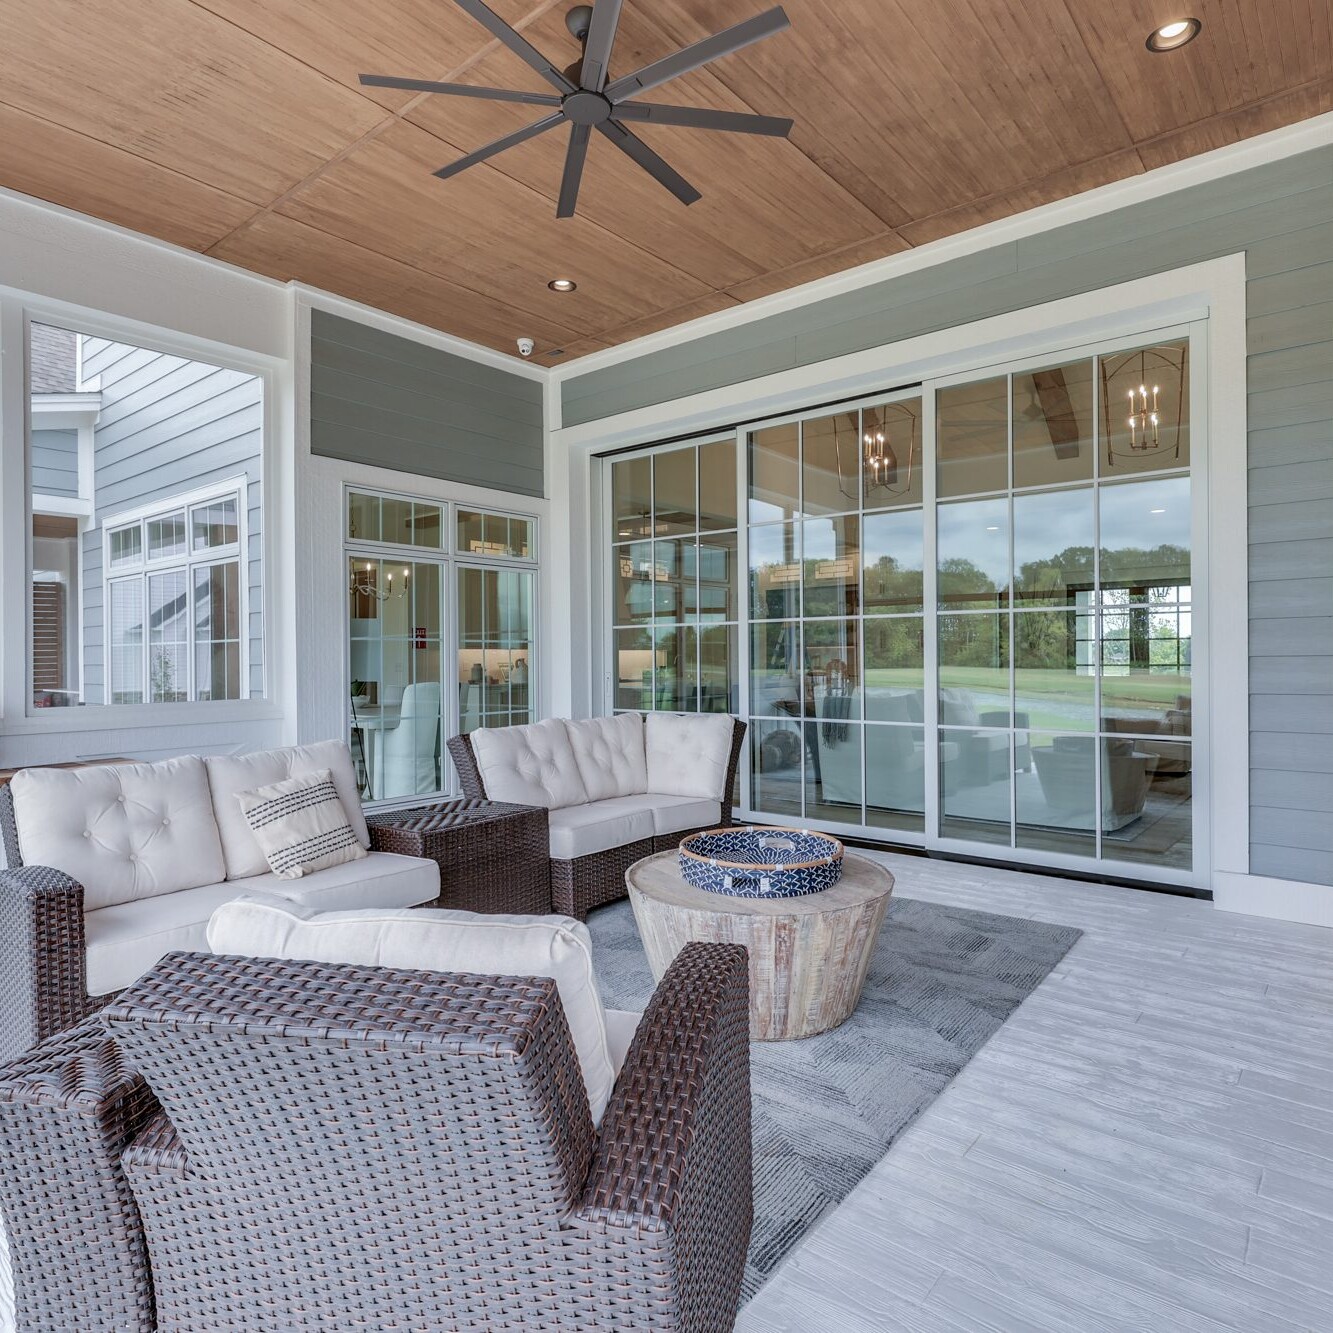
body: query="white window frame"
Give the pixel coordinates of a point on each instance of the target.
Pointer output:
(235, 488)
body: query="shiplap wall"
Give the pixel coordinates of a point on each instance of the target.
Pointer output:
(55, 462)
(169, 426)
(1281, 216)
(391, 402)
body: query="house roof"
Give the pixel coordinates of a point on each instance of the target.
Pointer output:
(52, 360)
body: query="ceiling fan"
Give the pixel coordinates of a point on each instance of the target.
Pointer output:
(587, 98)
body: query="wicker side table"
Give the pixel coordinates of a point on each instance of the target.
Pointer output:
(492, 857)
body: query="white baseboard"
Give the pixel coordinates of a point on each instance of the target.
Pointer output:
(1281, 899)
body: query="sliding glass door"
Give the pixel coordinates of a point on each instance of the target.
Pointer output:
(967, 609)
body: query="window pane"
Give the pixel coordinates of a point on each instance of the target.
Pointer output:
(717, 576)
(975, 777)
(973, 549)
(830, 464)
(1145, 409)
(675, 588)
(217, 632)
(633, 579)
(718, 667)
(1053, 687)
(891, 444)
(494, 641)
(1152, 827)
(831, 659)
(1053, 425)
(166, 536)
(774, 473)
(168, 638)
(775, 669)
(632, 497)
(214, 525)
(896, 778)
(521, 544)
(396, 521)
(972, 428)
(833, 775)
(126, 545)
(776, 749)
(775, 572)
(717, 485)
(893, 548)
(674, 502)
(675, 649)
(895, 672)
(363, 517)
(1053, 547)
(1146, 687)
(634, 669)
(974, 670)
(1056, 793)
(1145, 539)
(125, 637)
(471, 532)
(832, 562)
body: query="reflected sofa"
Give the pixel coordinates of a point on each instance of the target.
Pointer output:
(1068, 782)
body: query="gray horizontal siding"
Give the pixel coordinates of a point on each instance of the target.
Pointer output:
(1281, 216)
(169, 426)
(55, 463)
(388, 401)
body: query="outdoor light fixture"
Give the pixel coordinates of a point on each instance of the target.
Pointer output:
(1172, 36)
(563, 285)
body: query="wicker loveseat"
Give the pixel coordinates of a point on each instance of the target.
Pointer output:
(245, 1144)
(617, 789)
(106, 869)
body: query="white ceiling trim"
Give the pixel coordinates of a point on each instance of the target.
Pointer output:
(1289, 141)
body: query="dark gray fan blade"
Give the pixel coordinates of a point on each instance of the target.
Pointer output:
(597, 49)
(509, 141)
(459, 90)
(573, 177)
(711, 48)
(661, 171)
(516, 42)
(701, 118)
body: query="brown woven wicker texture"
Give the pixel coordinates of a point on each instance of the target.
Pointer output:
(365, 1148)
(493, 857)
(579, 885)
(41, 947)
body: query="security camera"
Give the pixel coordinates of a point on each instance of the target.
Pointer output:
(525, 346)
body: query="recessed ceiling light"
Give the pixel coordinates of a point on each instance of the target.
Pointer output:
(992, 529)
(563, 285)
(1171, 36)
(1157, 511)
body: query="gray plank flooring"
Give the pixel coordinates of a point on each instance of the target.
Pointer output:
(1147, 1144)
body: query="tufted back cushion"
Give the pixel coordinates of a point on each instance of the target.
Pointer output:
(125, 832)
(229, 774)
(610, 755)
(530, 765)
(688, 753)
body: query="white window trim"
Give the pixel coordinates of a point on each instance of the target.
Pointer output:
(189, 560)
(1212, 292)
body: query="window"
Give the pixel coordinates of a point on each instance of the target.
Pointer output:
(147, 533)
(192, 598)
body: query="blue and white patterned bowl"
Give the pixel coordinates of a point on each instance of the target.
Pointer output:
(761, 862)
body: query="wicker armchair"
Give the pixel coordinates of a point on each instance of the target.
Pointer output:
(308, 1146)
(581, 883)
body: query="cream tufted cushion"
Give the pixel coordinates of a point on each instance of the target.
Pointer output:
(529, 765)
(125, 832)
(610, 755)
(688, 753)
(231, 774)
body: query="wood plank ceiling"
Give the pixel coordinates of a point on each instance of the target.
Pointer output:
(237, 128)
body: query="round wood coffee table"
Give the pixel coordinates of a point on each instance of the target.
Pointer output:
(808, 955)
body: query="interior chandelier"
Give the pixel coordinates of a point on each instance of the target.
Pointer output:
(368, 586)
(1149, 427)
(884, 468)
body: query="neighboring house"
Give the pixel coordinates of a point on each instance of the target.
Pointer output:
(147, 546)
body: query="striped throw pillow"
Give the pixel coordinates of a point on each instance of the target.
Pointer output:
(300, 825)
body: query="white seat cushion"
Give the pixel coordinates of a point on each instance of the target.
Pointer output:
(584, 830)
(688, 753)
(610, 755)
(125, 940)
(529, 765)
(673, 814)
(437, 940)
(229, 774)
(621, 1025)
(124, 831)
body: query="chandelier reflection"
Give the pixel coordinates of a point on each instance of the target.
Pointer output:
(1151, 382)
(887, 455)
(364, 584)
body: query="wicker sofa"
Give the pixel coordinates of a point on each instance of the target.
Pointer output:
(244, 1144)
(617, 789)
(106, 869)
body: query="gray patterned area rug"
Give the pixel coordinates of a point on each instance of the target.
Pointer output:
(826, 1109)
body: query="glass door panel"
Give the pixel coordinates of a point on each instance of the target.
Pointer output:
(495, 640)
